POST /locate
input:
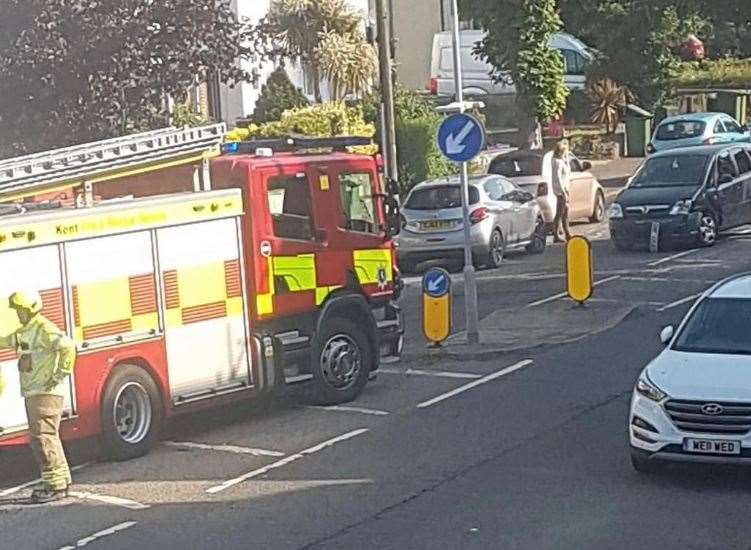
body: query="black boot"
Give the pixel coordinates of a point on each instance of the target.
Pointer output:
(43, 496)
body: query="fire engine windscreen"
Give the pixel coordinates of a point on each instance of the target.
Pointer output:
(356, 190)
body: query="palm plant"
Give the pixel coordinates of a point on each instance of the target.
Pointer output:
(348, 62)
(296, 28)
(608, 100)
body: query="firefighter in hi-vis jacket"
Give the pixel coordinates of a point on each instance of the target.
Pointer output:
(45, 359)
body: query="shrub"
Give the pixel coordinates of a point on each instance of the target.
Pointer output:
(319, 120)
(408, 105)
(183, 115)
(721, 73)
(277, 95)
(419, 157)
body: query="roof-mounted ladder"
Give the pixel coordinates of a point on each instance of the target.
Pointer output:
(102, 160)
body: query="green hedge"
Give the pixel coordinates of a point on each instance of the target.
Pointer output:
(721, 73)
(419, 157)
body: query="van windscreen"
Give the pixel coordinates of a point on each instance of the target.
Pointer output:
(470, 63)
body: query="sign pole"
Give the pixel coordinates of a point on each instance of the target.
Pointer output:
(470, 284)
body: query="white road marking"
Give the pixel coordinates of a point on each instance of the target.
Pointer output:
(436, 373)
(647, 279)
(564, 294)
(19, 504)
(13, 490)
(673, 257)
(361, 410)
(99, 535)
(631, 302)
(679, 302)
(287, 460)
(693, 261)
(478, 382)
(223, 448)
(106, 499)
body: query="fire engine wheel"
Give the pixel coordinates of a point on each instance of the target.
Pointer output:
(131, 413)
(342, 359)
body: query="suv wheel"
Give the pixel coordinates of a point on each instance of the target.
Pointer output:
(642, 464)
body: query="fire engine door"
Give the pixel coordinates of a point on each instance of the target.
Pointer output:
(204, 309)
(33, 269)
(360, 226)
(297, 239)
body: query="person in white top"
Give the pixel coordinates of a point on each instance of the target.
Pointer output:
(561, 174)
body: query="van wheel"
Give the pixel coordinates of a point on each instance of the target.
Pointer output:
(598, 211)
(496, 249)
(132, 413)
(341, 361)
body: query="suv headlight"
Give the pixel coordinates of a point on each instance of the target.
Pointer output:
(681, 207)
(649, 390)
(615, 211)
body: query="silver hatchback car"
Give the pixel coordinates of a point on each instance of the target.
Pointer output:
(503, 217)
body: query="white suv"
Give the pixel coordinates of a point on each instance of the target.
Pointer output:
(693, 402)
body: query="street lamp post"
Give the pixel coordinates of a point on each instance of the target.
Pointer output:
(470, 283)
(387, 89)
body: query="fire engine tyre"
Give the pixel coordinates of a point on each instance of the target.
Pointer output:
(342, 359)
(132, 413)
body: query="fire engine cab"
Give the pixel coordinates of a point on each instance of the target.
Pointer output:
(191, 272)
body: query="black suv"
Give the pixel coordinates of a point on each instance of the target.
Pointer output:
(684, 195)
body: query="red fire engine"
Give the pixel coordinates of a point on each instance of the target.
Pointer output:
(189, 275)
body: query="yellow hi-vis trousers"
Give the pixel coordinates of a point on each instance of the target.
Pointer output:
(44, 413)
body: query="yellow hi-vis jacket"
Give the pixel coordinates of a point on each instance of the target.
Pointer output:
(52, 356)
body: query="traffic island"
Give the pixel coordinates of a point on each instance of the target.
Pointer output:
(510, 330)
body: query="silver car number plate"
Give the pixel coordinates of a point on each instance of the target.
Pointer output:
(712, 446)
(437, 225)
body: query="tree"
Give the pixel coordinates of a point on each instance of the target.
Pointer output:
(278, 94)
(638, 41)
(517, 46)
(78, 70)
(300, 29)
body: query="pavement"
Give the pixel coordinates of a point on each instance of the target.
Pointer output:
(524, 448)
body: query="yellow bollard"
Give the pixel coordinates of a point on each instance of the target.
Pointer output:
(579, 273)
(436, 305)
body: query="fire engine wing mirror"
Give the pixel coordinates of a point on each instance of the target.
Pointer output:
(392, 217)
(392, 187)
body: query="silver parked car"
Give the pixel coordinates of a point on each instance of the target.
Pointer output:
(503, 217)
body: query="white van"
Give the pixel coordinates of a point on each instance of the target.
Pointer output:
(477, 80)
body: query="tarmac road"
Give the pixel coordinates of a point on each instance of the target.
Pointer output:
(523, 449)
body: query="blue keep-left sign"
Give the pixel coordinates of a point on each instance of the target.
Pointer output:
(436, 282)
(461, 137)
